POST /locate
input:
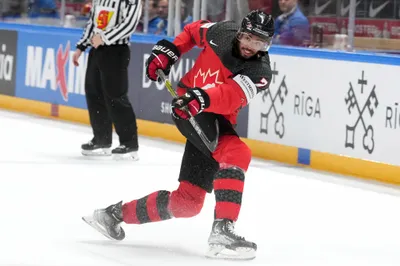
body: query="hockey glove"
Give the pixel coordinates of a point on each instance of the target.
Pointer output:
(196, 100)
(163, 55)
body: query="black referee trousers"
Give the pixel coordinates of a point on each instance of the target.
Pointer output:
(106, 88)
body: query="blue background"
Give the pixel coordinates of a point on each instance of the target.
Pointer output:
(44, 40)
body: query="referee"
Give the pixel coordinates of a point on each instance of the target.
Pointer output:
(108, 32)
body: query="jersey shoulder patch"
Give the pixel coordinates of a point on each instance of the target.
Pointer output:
(247, 85)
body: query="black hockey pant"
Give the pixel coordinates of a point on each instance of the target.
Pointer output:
(106, 88)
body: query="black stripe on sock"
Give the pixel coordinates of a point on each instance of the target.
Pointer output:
(231, 173)
(227, 195)
(141, 210)
(162, 205)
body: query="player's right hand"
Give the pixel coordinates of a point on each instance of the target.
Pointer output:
(163, 55)
(195, 100)
(76, 56)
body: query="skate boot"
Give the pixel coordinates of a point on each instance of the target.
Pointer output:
(94, 149)
(224, 243)
(107, 221)
(125, 152)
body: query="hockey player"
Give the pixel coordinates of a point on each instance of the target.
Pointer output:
(232, 68)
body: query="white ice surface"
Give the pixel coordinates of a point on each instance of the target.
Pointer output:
(296, 216)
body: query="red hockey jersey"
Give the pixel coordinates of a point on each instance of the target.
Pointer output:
(230, 81)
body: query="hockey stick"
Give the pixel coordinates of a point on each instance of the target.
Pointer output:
(211, 145)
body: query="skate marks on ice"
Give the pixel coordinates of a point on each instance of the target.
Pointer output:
(73, 158)
(54, 142)
(57, 159)
(130, 253)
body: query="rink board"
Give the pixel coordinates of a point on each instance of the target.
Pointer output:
(331, 111)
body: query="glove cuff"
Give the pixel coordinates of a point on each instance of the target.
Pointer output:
(201, 96)
(169, 49)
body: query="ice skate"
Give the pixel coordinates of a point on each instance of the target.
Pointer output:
(107, 221)
(224, 243)
(124, 152)
(93, 149)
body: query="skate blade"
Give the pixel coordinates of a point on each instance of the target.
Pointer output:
(90, 221)
(130, 156)
(97, 152)
(224, 253)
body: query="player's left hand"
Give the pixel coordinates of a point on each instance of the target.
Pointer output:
(97, 40)
(196, 100)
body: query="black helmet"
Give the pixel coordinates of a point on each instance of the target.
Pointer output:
(259, 24)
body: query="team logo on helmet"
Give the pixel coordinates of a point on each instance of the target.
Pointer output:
(249, 26)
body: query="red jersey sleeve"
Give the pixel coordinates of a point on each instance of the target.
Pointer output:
(193, 34)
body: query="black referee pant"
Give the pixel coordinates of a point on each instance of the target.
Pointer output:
(106, 88)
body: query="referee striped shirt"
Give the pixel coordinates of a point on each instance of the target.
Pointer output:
(114, 20)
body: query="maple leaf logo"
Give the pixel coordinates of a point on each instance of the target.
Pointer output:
(206, 80)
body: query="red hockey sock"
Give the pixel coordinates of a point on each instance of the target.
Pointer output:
(186, 201)
(228, 189)
(151, 208)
